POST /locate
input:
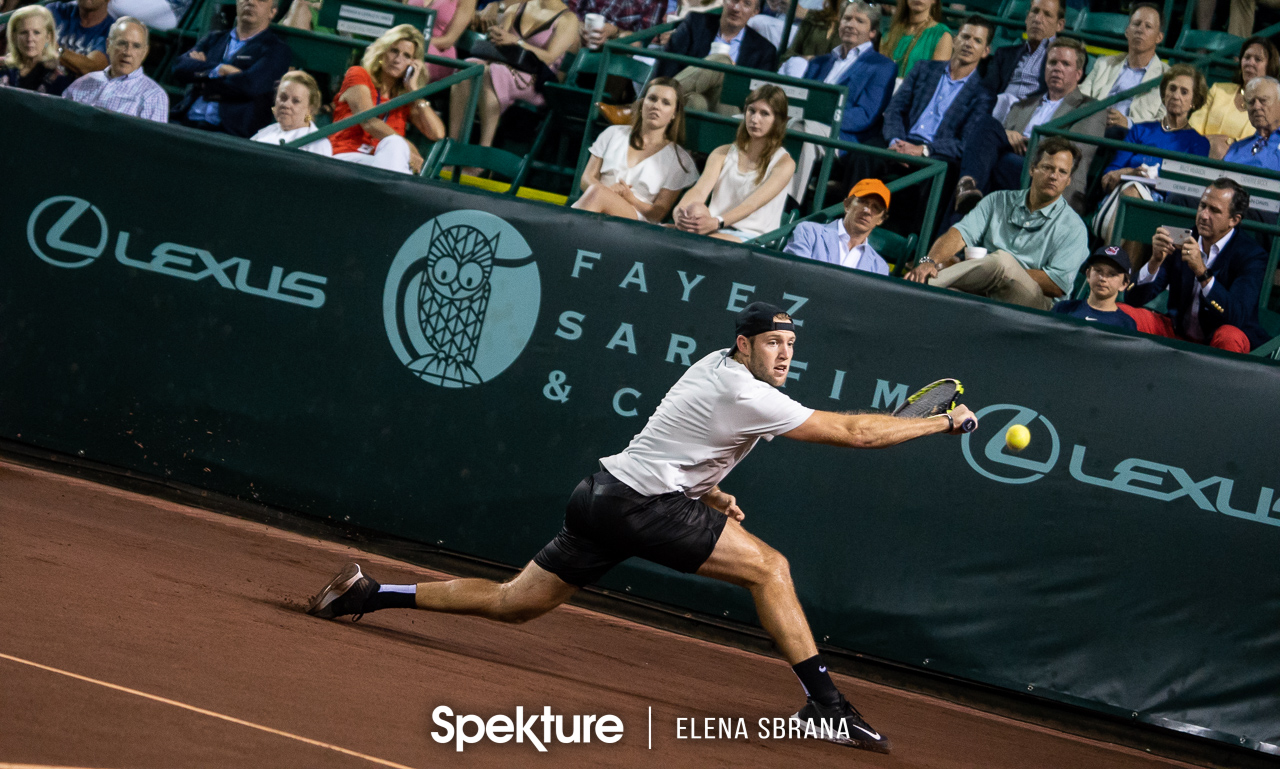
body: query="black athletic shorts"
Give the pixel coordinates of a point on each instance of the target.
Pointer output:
(608, 522)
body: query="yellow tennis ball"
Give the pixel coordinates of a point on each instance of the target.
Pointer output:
(1017, 437)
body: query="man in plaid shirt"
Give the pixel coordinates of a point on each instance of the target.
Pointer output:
(123, 87)
(620, 16)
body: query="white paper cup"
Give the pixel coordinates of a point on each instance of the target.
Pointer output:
(594, 22)
(720, 47)
(974, 252)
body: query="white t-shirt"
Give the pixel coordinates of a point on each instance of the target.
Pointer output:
(706, 424)
(661, 171)
(274, 134)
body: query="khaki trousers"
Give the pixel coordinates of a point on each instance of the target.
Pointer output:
(998, 275)
(702, 86)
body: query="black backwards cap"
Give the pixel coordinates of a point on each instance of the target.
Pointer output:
(758, 317)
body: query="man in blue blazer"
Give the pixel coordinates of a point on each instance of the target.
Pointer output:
(1214, 281)
(856, 65)
(846, 241)
(232, 75)
(1016, 71)
(694, 36)
(937, 100)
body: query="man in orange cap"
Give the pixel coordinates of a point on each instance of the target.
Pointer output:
(845, 241)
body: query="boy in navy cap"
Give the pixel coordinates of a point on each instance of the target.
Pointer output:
(1107, 273)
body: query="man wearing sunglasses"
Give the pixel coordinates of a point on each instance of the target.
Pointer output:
(1021, 246)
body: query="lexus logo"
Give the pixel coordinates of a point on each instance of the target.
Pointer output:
(60, 252)
(996, 460)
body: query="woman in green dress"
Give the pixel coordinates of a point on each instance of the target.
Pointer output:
(916, 34)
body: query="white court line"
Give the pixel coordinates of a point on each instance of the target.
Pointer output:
(37, 766)
(204, 712)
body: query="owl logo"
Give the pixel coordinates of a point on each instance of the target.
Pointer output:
(461, 299)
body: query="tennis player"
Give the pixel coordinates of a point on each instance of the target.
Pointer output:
(659, 499)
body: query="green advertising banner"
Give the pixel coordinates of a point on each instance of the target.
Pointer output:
(446, 365)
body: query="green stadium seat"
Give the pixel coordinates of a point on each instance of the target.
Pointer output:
(897, 250)
(448, 152)
(1100, 23)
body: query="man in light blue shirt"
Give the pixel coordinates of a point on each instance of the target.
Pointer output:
(1021, 247)
(1262, 150)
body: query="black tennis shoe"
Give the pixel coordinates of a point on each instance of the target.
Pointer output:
(347, 593)
(842, 724)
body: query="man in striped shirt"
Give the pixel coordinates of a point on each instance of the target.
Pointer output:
(123, 87)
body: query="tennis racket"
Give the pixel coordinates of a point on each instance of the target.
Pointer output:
(934, 399)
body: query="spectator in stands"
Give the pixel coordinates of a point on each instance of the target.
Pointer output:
(1034, 243)
(741, 45)
(845, 241)
(917, 34)
(544, 28)
(157, 14)
(932, 109)
(297, 101)
(1224, 119)
(855, 65)
(453, 17)
(391, 66)
(1182, 90)
(1122, 71)
(621, 17)
(1016, 71)
(1262, 99)
(123, 87)
(83, 26)
(1214, 280)
(32, 61)
(819, 34)
(1107, 274)
(232, 75)
(638, 171)
(993, 153)
(747, 180)
(772, 18)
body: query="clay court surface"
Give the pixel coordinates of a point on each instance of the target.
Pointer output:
(204, 613)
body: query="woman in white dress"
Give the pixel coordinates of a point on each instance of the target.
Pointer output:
(638, 171)
(297, 100)
(747, 180)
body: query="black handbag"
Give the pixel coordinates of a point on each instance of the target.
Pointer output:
(516, 57)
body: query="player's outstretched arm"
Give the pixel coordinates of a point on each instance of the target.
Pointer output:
(873, 431)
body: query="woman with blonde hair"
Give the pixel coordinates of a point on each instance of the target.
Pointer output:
(638, 171)
(32, 61)
(747, 180)
(297, 101)
(392, 66)
(917, 34)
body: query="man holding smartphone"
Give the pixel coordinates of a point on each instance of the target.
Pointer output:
(1214, 278)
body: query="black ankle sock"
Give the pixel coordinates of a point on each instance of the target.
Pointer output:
(391, 599)
(816, 681)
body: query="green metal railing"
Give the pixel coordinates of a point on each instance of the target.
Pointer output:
(467, 71)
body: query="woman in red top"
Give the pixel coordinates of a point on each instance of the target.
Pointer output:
(392, 66)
